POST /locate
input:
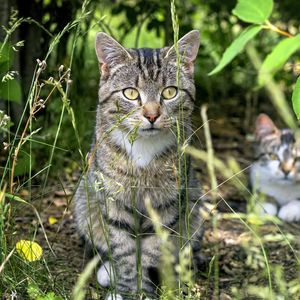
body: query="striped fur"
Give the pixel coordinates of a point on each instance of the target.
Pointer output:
(276, 171)
(133, 160)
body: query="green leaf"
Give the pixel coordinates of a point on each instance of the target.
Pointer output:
(3, 69)
(253, 11)
(277, 58)
(296, 98)
(10, 90)
(25, 163)
(236, 47)
(6, 55)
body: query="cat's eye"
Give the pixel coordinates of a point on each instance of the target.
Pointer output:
(273, 156)
(131, 93)
(169, 92)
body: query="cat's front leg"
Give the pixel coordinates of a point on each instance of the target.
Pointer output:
(135, 271)
(266, 208)
(121, 272)
(290, 212)
(150, 262)
(105, 274)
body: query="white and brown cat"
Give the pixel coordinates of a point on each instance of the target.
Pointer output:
(276, 170)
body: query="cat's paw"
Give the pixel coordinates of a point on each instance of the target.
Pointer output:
(111, 296)
(266, 208)
(105, 275)
(290, 212)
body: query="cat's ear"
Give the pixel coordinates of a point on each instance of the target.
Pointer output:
(264, 127)
(109, 51)
(188, 47)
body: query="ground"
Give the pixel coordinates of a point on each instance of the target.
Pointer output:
(235, 243)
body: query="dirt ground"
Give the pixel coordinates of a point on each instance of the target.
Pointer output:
(240, 265)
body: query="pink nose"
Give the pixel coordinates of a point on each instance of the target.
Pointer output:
(286, 167)
(151, 117)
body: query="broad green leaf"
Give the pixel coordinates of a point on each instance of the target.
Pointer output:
(296, 98)
(279, 55)
(10, 90)
(253, 11)
(25, 163)
(236, 47)
(3, 69)
(29, 250)
(6, 55)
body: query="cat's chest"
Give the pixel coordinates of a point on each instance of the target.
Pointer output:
(127, 182)
(160, 175)
(142, 151)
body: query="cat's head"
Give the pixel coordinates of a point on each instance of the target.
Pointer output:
(144, 91)
(276, 149)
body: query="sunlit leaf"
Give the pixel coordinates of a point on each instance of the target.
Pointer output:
(28, 250)
(236, 47)
(279, 55)
(52, 220)
(296, 98)
(253, 11)
(255, 219)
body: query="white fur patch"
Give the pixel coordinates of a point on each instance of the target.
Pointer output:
(290, 212)
(269, 180)
(105, 275)
(144, 149)
(113, 297)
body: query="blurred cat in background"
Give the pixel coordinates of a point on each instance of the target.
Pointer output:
(276, 170)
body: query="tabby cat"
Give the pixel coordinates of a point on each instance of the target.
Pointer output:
(146, 98)
(276, 172)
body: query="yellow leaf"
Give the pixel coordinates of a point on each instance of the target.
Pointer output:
(52, 220)
(29, 250)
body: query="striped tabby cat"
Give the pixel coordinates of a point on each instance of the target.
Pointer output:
(276, 172)
(143, 117)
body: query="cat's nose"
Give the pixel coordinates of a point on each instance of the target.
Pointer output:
(286, 168)
(151, 117)
(151, 111)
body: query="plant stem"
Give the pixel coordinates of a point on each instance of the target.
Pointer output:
(34, 109)
(274, 28)
(214, 187)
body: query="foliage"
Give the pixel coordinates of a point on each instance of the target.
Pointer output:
(258, 12)
(35, 293)
(296, 98)
(236, 47)
(10, 88)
